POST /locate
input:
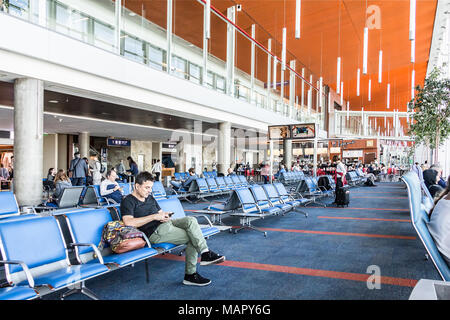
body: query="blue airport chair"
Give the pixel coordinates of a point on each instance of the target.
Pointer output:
(8, 204)
(39, 245)
(174, 205)
(419, 218)
(86, 226)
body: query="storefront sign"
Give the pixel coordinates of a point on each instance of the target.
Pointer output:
(352, 154)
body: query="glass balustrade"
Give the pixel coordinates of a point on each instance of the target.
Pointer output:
(139, 33)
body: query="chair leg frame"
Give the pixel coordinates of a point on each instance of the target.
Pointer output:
(83, 290)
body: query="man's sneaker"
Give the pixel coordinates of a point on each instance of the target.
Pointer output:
(211, 257)
(195, 280)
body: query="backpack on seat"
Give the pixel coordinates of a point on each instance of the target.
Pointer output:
(121, 238)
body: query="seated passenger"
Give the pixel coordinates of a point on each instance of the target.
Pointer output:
(184, 183)
(230, 172)
(109, 188)
(431, 179)
(439, 225)
(140, 210)
(62, 181)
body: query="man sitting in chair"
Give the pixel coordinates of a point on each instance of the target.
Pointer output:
(109, 188)
(184, 184)
(140, 210)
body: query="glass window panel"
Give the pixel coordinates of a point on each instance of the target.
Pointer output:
(210, 80)
(134, 49)
(194, 72)
(103, 36)
(179, 65)
(220, 83)
(156, 58)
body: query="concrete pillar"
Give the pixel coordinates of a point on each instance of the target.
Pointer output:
(287, 154)
(83, 140)
(224, 146)
(28, 140)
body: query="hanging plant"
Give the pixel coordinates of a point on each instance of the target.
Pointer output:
(431, 118)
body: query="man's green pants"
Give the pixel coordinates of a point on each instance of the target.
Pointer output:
(182, 231)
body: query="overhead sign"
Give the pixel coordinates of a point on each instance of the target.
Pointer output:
(293, 131)
(279, 132)
(112, 142)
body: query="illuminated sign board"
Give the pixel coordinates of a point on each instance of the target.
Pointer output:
(294, 131)
(112, 142)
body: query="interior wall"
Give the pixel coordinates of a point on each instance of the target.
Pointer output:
(50, 157)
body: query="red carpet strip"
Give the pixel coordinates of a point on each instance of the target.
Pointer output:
(304, 271)
(366, 219)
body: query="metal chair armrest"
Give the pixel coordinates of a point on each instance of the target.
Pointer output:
(202, 216)
(97, 252)
(24, 268)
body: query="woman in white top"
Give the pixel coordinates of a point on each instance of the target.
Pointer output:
(439, 225)
(96, 174)
(157, 168)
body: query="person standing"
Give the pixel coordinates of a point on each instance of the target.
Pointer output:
(133, 171)
(157, 169)
(120, 168)
(96, 171)
(78, 169)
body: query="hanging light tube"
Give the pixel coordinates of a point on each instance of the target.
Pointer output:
(275, 73)
(320, 92)
(413, 51)
(370, 90)
(283, 51)
(388, 95)
(380, 65)
(365, 52)
(303, 87)
(338, 78)
(348, 110)
(298, 6)
(412, 20)
(413, 75)
(358, 81)
(342, 93)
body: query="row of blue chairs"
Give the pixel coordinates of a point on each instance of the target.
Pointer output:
(255, 202)
(202, 188)
(291, 177)
(354, 178)
(209, 174)
(36, 250)
(420, 203)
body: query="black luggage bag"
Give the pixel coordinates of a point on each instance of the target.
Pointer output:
(342, 197)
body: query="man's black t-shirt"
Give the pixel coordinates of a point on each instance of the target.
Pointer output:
(131, 206)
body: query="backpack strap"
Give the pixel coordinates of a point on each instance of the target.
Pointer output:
(114, 213)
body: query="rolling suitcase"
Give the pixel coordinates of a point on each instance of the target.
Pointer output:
(342, 197)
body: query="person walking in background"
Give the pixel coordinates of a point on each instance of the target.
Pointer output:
(157, 169)
(4, 174)
(78, 169)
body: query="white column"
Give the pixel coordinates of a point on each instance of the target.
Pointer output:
(83, 141)
(28, 140)
(224, 147)
(287, 153)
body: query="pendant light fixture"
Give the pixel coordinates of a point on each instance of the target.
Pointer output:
(298, 6)
(388, 95)
(380, 65)
(412, 20)
(370, 90)
(358, 81)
